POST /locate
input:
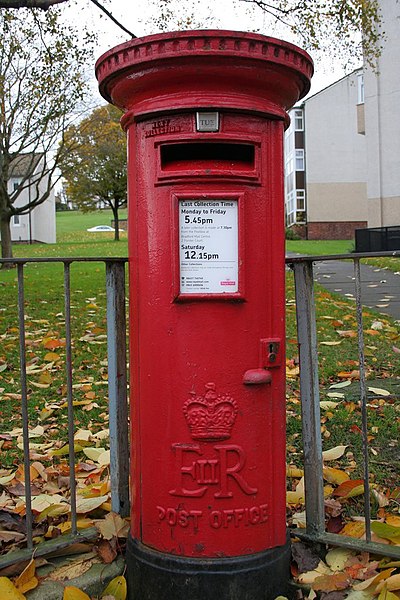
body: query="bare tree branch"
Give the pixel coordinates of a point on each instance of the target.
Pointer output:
(43, 4)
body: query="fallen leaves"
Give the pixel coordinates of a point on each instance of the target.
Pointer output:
(8, 591)
(27, 580)
(116, 588)
(344, 569)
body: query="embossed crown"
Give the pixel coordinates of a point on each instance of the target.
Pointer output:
(212, 416)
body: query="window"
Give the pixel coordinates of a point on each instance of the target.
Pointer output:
(290, 209)
(16, 220)
(298, 120)
(301, 200)
(15, 182)
(360, 87)
(300, 160)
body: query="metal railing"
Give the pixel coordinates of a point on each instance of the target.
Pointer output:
(315, 531)
(117, 394)
(118, 413)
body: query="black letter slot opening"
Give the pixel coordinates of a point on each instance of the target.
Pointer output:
(216, 156)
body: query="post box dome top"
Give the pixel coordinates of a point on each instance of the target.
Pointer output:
(185, 70)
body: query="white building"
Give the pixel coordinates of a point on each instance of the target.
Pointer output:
(38, 224)
(382, 125)
(342, 166)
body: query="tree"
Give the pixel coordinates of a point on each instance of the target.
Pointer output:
(43, 4)
(41, 86)
(95, 166)
(342, 27)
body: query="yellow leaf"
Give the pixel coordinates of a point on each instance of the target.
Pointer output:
(27, 580)
(335, 475)
(50, 356)
(85, 505)
(74, 593)
(384, 530)
(45, 378)
(64, 450)
(331, 343)
(354, 529)
(45, 413)
(8, 591)
(292, 471)
(117, 588)
(54, 510)
(292, 372)
(392, 583)
(372, 581)
(334, 453)
(81, 524)
(386, 595)
(296, 497)
(93, 453)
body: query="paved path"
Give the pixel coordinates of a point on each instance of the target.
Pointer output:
(380, 288)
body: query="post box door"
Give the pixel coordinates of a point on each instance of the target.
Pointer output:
(206, 239)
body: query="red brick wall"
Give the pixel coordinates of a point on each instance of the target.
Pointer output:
(334, 230)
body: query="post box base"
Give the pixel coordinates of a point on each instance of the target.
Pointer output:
(153, 575)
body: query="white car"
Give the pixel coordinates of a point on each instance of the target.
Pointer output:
(101, 228)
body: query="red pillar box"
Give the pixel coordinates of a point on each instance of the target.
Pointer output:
(205, 113)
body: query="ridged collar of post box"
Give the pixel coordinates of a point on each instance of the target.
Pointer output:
(179, 71)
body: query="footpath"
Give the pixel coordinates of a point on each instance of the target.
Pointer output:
(380, 288)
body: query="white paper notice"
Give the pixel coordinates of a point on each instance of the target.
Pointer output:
(208, 246)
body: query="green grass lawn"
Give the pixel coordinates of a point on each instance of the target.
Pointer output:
(319, 247)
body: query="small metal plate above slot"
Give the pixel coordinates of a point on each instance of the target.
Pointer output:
(207, 121)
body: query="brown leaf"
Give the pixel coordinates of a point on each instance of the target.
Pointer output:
(333, 595)
(52, 344)
(107, 551)
(113, 526)
(304, 557)
(11, 536)
(350, 488)
(331, 583)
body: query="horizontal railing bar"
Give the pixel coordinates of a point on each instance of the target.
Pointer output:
(354, 255)
(345, 541)
(67, 259)
(49, 547)
(289, 259)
